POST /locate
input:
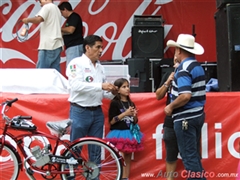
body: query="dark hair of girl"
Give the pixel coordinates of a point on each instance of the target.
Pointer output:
(119, 82)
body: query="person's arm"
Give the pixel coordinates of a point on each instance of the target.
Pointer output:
(34, 20)
(72, 23)
(117, 118)
(180, 101)
(68, 30)
(129, 112)
(161, 91)
(135, 117)
(110, 88)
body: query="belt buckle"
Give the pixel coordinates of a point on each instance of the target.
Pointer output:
(92, 108)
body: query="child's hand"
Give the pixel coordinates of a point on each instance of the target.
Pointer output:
(128, 112)
(135, 112)
(131, 111)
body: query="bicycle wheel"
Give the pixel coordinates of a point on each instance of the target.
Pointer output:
(104, 162)
(9, 164)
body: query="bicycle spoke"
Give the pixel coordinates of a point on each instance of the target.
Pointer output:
(103, 163)
(8, 164)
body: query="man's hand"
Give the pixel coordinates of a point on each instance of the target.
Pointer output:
(110, 88)
(25, 20)
(168, 110)
(171, 77)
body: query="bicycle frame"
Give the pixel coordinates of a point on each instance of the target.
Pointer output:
(67, 147)
(51, 168)
(19, 142)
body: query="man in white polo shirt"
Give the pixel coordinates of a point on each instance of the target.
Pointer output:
(51, 42)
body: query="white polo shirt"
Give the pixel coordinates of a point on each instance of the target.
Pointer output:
(50, 28)
(85, 82)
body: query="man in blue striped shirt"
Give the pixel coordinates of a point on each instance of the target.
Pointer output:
(187, 103)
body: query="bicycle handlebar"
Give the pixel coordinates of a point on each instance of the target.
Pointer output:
(17, 121)
(24, 117)
(9, 103)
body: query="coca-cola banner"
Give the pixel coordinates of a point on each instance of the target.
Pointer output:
(220, 140)
(113, 21)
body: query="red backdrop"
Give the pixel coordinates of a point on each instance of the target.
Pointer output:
(113, 21)
(220, 133)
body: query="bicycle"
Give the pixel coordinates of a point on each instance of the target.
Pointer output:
(73, 160)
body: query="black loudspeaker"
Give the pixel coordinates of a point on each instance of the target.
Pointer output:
(210, 69)
(145, 20)
(228, 47)
(222, 3)
(155, 73)
(147, 41)
(166, 65)
(139, 68)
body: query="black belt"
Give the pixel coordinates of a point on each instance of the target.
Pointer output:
(90, 108)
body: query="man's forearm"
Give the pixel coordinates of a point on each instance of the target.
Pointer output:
(34, 20)
(68, 30)
(180, 101)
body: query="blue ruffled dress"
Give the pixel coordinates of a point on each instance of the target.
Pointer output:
(124, 141)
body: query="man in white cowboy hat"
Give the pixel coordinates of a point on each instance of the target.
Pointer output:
(187, 104)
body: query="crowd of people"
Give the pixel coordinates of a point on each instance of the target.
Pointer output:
(185, 90)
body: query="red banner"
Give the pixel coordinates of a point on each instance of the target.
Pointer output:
(112, 20)
(220, 133)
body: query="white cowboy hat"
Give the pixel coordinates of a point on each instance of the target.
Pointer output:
(186, 42)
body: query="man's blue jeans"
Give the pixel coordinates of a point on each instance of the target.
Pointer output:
(87, 123)
(189, 144)
(49, 58)
(73, 52)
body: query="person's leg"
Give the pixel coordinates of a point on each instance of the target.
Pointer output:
(188, 145)
(55, 58)
(49, 59)
(126, 169)
(80, 125)
(171, 147)
(199, 126)
(170, 169)
(96, 130)
(42, 60)
(81, 122)
(80, 49)
(199, 132)
(73, 52)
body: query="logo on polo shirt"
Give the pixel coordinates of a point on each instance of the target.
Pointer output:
(89, 79)
(73, 68)
(87, 70)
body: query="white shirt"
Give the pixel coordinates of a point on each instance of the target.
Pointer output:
(50, 30)
(85, 82)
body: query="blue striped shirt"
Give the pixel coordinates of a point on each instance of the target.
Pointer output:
(189, 78)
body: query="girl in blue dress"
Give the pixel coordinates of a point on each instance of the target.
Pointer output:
(124, 131)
